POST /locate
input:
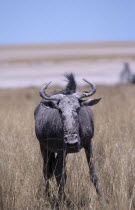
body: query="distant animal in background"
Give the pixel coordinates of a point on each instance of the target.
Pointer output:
(126, 76)
(64, 123)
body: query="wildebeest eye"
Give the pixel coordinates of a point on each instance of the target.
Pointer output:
(78, 109)
(59, 110)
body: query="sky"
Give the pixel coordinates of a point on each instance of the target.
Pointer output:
(38, 21)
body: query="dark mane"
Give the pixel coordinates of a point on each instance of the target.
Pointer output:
(71, 85)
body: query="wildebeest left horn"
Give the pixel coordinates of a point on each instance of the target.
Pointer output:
(46, 97)
(86, 93)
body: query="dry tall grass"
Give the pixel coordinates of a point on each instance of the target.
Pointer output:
(21, 179)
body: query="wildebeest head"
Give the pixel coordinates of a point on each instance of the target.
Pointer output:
(68, 102)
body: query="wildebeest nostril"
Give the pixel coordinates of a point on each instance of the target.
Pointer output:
(71, 139)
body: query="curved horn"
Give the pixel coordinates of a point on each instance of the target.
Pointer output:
(44, 95)
(86, 93)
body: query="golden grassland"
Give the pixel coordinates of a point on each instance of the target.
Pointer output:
(21, 180)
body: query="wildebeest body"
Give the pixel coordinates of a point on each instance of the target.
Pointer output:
(64, 123)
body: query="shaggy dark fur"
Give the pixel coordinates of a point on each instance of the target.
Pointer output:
(71, 85)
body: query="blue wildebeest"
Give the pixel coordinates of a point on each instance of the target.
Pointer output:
(126, 74)
(64, 124)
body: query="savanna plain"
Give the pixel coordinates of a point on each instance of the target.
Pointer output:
(21, 180)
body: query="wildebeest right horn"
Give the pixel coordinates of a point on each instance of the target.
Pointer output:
(46, 97)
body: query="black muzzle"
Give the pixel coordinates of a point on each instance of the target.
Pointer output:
(72, 143)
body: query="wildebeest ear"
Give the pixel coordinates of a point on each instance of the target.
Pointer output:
(90, 102)
(48, 103)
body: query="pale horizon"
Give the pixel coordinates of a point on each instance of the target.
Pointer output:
(33, 65)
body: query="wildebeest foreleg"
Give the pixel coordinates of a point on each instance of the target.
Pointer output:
(93, 176)
(60, 174)
(48, 165)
